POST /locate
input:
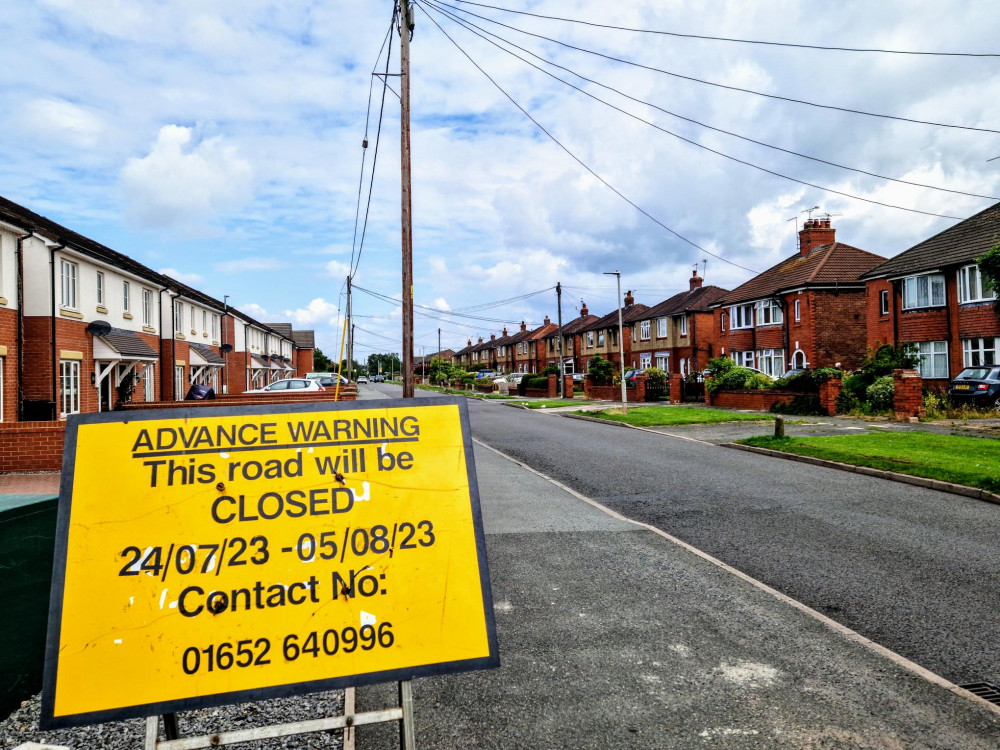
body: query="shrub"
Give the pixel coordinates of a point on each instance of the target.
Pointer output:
(720, 366)
(881, 394)
(736, 378)
(655, 377)
(989, 267)
(550, 370)
(758, 381)
(600, 371)
(807, 381)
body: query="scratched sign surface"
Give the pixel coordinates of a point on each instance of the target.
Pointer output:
(216, 555)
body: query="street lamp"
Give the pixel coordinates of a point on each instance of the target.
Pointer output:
(621, 337)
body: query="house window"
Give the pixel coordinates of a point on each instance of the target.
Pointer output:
(179, 383)
(644, 330)
(933, 359)
(645, 361)
(972, 287)
(771, 362)
(683, 321)
(661, 328)
(741, 316)
(192, 319)
(722, 322)
(600, 338)
(204, 321)
(923, 291)
(69, 379)
(125, 296)
(663, 362)
(769, 313)
(215, 327)
(798, 311)
(743, 359)
(590, 338)
(979, 352)
(100, 288)
(178, 317)
(147, 307)
(883, 302)
(148, 389)
(68, 276)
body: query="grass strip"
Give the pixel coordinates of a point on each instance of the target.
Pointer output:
(553, 403)
(659, 416)
(969, 461)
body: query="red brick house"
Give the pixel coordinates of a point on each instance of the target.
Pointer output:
(810, 310)
(933, 295)
(567, 341)
(679, 334)
(601, 336)
(530, 346)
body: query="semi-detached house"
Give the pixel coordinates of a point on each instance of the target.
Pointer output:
(807, 311)
(933, 295)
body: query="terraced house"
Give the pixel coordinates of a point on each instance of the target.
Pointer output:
(810, 310)
(678, 335)
(565, 341)
(84, 327)
(601, 335)
(933, 295)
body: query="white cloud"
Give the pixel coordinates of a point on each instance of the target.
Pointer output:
(337, 269)
(182, 183)
(441, 304)
(250, 264)
(187, 278)
(317, 312)
(63, 122)
(255, 311)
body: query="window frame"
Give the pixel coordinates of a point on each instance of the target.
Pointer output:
(769, 313)
(147, 307)
(126, 297)
(148, 383)
(69, 387)
(590, 339)
(100, 288)
(741, 317)
(683, 327)
(883, 302)
(644, 330)
(766, 359)
(661, 327)
(798, 311)
(179, 389)
(179, 318)
(600, 337)
(69, 284)
(967, 277)
(931, 357)
(968, 351)
(930, 279)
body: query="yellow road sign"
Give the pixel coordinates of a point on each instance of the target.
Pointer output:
(215, 555)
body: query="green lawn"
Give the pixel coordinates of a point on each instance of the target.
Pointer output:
(974, 462)
(657, 416)
(554, 402)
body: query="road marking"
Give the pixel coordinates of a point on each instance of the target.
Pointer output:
(845, 631)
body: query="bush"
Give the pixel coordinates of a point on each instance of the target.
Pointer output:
(550, 370)
(735, 378)
(720, 366)
(758, 381)
(600, 371)
(803, 405)
(655, 377)
(807, 381)
(881, 394)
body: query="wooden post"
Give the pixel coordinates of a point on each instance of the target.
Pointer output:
(405, 25)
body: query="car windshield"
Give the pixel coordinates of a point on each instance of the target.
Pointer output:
(974, 373)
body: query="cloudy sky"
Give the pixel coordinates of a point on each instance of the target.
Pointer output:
(221, 142)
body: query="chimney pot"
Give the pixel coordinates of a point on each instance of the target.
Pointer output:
(629, 299)
(815, 232)
(584, 312)
(523, 326)
(493, 337)
(695, 281)
(547, 321)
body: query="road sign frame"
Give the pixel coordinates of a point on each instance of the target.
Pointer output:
(49, 721)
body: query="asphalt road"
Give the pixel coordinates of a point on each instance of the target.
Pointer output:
(912, 569)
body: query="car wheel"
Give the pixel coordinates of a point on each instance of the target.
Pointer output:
(996, 406)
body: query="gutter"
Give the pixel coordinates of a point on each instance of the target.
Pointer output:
(55, 361)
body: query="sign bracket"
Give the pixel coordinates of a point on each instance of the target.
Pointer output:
(402, 713)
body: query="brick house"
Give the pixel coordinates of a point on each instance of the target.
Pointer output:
(601, 336)
(678, 335)
(810, 310)
(529, 347)
(933, 295)
(567, 341)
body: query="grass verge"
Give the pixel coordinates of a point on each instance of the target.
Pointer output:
(970, 461)
(553, 403)
(659, 416)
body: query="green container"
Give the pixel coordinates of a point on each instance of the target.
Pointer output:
(27, 540)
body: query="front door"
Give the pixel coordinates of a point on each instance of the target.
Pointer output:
(106, 390)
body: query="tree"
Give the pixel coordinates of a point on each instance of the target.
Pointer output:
(989, 268)
(389, 361)
(321, 362)
(600, 371)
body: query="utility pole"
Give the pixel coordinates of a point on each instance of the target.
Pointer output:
(439, 343)
(405, 27)
(562, 360)
(350, 333)
(621, 338)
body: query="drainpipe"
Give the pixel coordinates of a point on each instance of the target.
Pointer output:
(19, 261)
(895, 315)
(694, 342)
(55, 362)
(173, 341)
(784, 328)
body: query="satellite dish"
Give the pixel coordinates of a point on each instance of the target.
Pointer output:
(99, 328)
(226, 348)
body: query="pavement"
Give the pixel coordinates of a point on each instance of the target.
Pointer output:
(613, 634)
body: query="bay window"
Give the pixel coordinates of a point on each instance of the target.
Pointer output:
(933, 359)
(771, 362)
(972, 287)
(980, 352)
(769, 313)
(923, 291)
(741, 316)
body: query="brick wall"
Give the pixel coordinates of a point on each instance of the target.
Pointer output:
(840, 329)
(304, 362)
(908, 394)
(31, 446)
(8, 338)
(755, 400)
(879, 327)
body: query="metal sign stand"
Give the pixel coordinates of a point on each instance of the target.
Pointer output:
(402, 713)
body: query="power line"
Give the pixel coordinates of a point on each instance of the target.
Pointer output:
(502, 302)
(554, 64)
(577, 159)
(723, 85)
(387, 298)
(378, 138)
(732, 39)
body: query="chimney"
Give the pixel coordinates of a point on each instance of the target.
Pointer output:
(493, 337)
(629, 299)
(470, 343)
(547, 321)
(584, 312)
(695, 281)
(505, 331)
(523, 326)
(480, 339)
(815, 232)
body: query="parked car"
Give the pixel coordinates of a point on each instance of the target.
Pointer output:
(515, 378)
(630, 376)
(485, 374)
(977, 386)
(578, 377)
(362, 379)
(331, 381)
(290, 384)
(380, 378)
